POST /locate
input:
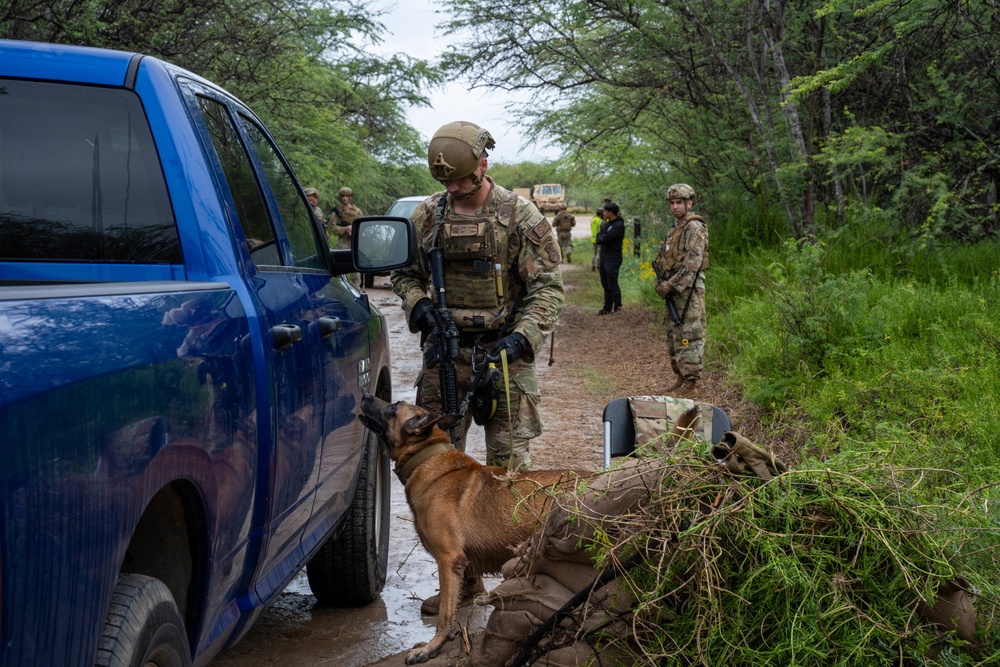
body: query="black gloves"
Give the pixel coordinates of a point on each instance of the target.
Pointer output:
(422, 316)
(515, 344)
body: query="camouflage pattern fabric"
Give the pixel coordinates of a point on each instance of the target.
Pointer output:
(318, 212)
(336, 233)
(655, 416)
(683, 258)
(529, 247)
(340, 221)
(564, 223)
(526, 246)
(513, 426)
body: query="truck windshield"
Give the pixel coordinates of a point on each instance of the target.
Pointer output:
(80, 179)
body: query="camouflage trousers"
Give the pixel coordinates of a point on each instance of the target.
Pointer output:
(513, 425)
(566, 245)
(687, 360)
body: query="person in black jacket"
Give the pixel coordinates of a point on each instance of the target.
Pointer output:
(610, 238)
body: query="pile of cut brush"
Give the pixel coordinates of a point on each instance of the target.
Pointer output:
(854, 562)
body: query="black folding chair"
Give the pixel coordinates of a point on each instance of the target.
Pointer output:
(619, 428)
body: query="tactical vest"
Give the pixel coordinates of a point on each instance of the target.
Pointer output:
(670, 257)
(564, 222)
(347, 215)
(478, 287)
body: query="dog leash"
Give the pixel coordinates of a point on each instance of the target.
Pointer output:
(510, 420)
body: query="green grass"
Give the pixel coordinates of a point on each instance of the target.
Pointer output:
(885, 350)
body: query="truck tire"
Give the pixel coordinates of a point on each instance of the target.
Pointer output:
(349, 569)
(143, 626)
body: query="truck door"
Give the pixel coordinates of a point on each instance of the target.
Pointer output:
(290, 400)
(341, 320)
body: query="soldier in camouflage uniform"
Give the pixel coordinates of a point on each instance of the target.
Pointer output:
(680, 268)
(338, 228)
(564, 224)
(497, 246)
(312, 194)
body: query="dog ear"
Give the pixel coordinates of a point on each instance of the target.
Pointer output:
(422, 423)
(447, 421)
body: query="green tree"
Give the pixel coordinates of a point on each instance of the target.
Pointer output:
(765, 96)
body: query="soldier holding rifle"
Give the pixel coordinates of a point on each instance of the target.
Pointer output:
(680, 280)
(495, 287)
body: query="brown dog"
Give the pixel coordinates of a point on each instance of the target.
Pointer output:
(468, 516)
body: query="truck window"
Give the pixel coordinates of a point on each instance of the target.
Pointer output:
(80, 178)
(243, 185)
(293, 208)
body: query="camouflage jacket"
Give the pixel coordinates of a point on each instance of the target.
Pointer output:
(564, 222)
(684, 253)
(530, 257)
(340, 220)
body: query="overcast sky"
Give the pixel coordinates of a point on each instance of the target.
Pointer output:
(411, 29)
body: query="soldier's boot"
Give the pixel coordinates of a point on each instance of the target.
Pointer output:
(471, 587)
(676, 385)
(689, 389)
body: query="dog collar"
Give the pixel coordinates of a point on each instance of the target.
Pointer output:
(419, 458)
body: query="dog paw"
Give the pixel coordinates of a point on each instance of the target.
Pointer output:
(420, 653)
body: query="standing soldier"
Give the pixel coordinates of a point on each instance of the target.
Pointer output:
(503, 289)
(338, 229)
(312, 194)
(680, 268)
(564, 224)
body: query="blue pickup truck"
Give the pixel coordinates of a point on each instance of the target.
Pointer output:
(180, 361)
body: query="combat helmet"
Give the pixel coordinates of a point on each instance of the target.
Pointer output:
(680, 191)
(311, 191)
(455, 149)
(345, 191)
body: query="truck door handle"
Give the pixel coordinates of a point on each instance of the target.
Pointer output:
(285, 335)
(328, 326)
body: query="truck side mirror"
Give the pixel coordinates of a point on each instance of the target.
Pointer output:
(379, 243)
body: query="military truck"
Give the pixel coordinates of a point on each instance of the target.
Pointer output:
(548, 196)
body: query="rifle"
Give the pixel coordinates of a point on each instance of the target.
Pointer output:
(444, 351)
(672, 307)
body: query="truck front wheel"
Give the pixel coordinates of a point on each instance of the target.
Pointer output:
(143, 626)
(349, 569)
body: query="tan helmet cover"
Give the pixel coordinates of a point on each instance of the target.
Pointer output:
(455, 149)
(345, 191)
(311, 191)
(680, 191)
